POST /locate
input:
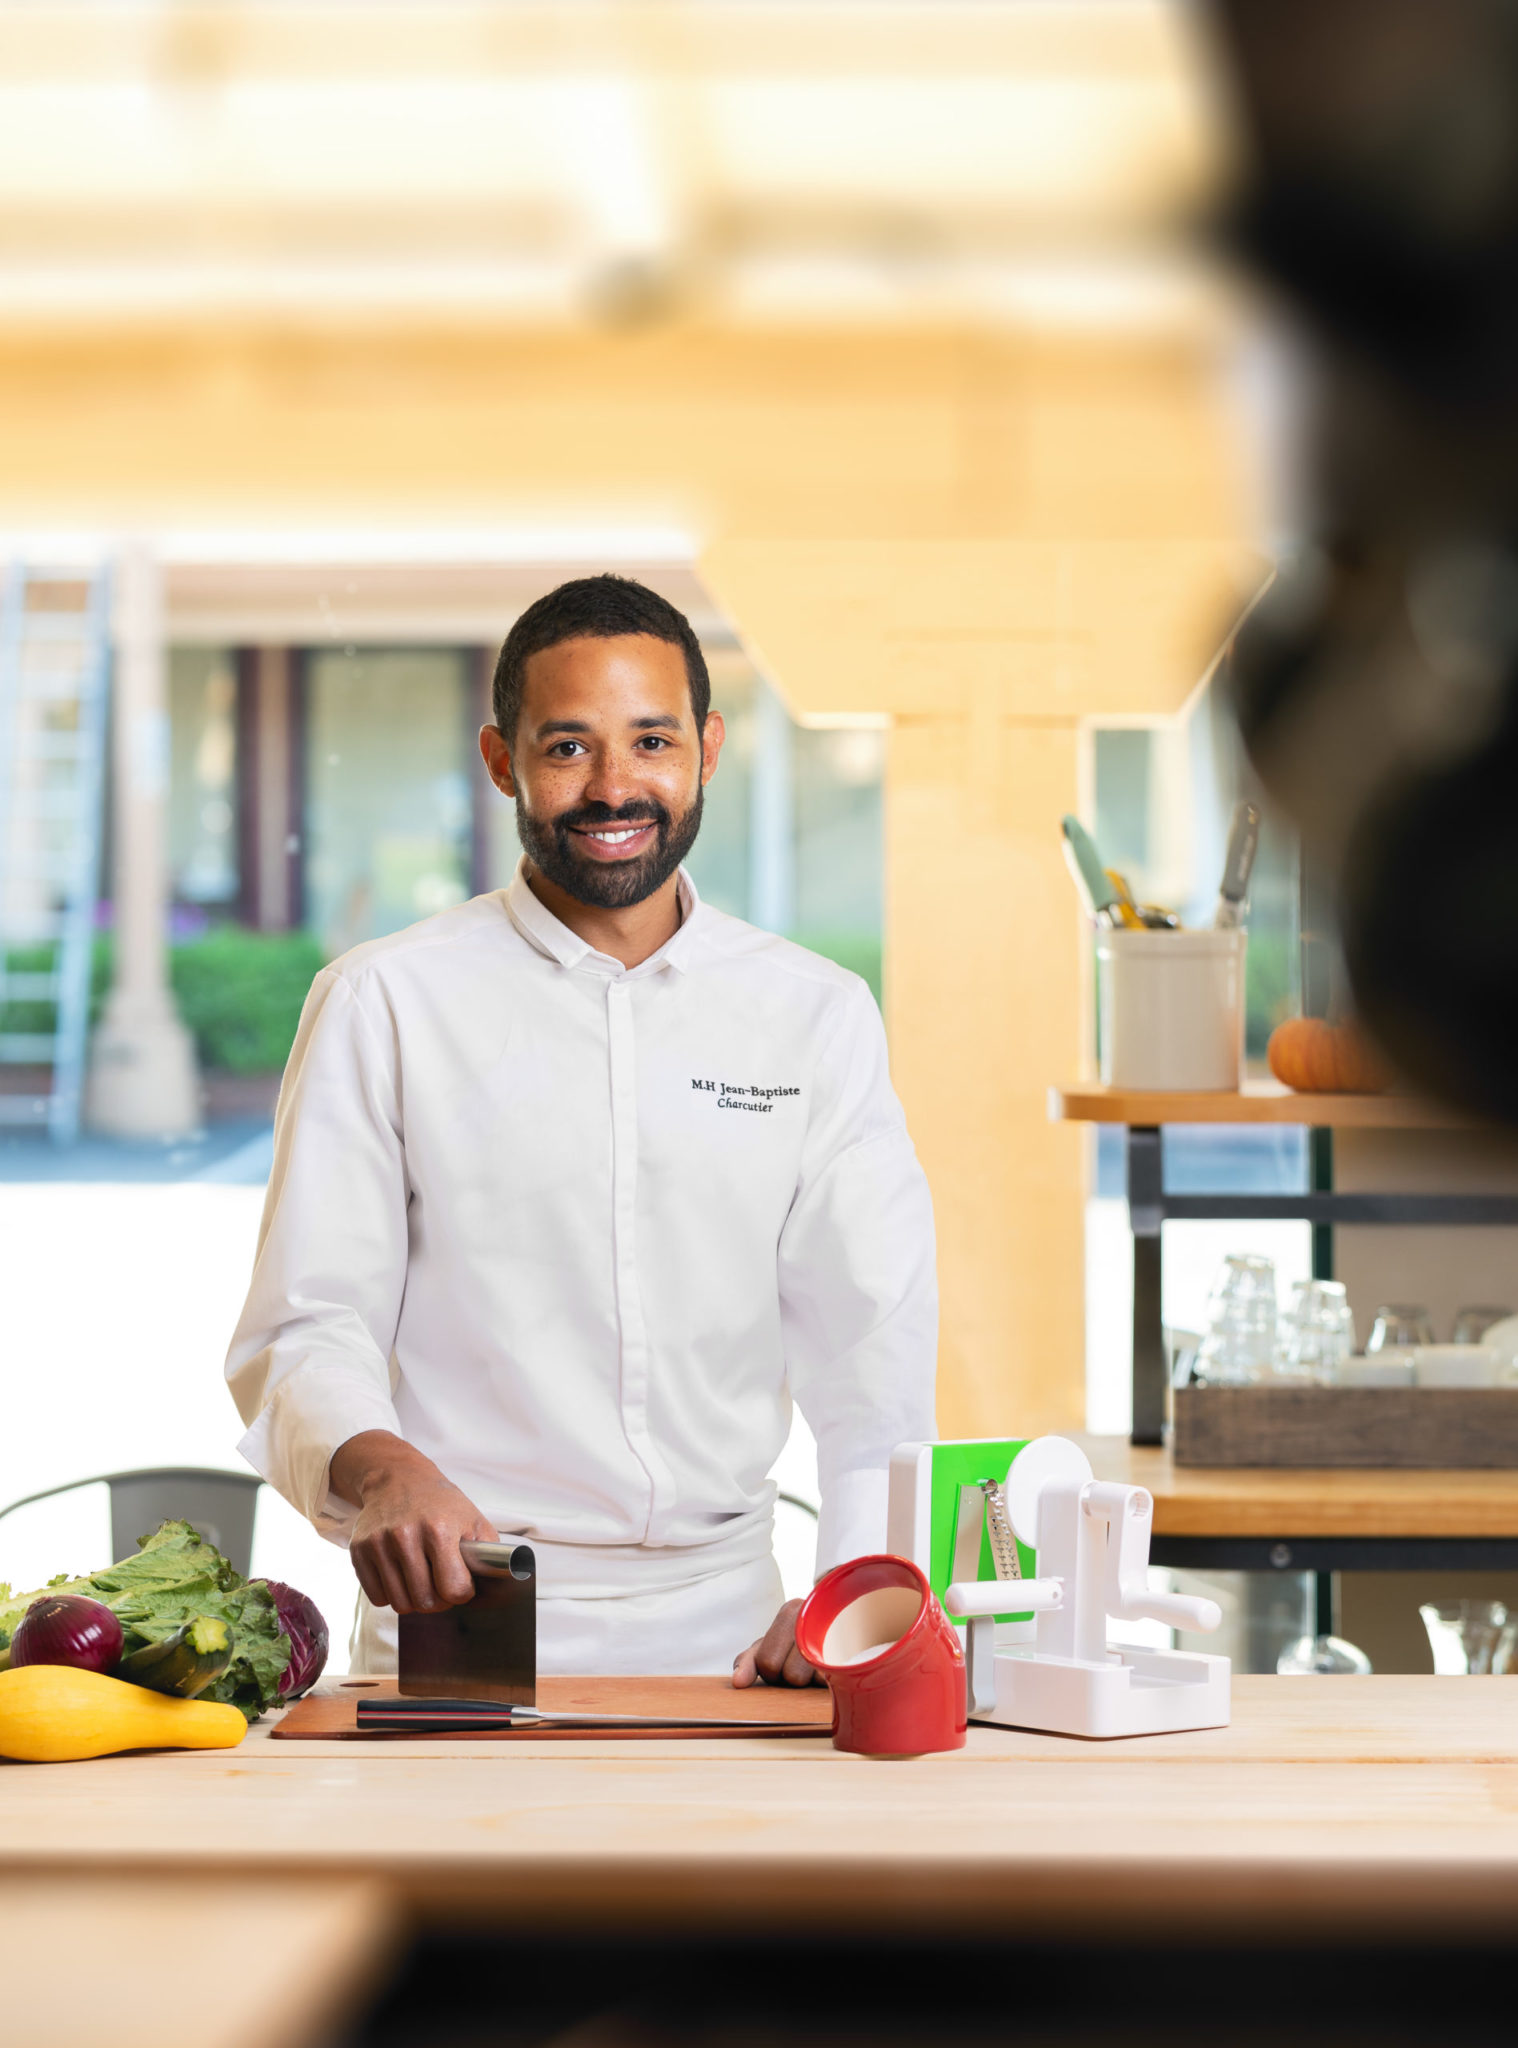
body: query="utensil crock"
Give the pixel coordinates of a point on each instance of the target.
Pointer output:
(875, 1631)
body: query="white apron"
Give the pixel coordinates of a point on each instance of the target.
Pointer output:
(699, 1626)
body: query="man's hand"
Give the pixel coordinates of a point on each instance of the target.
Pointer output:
(411, 1521)
(774, 1659)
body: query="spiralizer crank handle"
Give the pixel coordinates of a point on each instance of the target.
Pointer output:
(1176, 1610)
(1128, 1512)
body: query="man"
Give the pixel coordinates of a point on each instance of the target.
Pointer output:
(574, 1187)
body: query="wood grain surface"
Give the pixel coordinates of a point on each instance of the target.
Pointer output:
(135, 1962)
(808, 1710)
(1330, 1808)
(1393, 1428)
(1257, 1102)
(1195, 1500)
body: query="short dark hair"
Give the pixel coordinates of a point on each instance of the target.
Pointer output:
(595, 608)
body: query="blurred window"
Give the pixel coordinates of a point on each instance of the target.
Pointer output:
(1122, 799)
(840, 853)
(719, 860)
(792, 833)
(388, 743)
(1164, 797)
(202, 824)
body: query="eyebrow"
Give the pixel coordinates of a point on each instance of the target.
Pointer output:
(654, 719)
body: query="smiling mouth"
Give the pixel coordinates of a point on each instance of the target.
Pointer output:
(616, 838)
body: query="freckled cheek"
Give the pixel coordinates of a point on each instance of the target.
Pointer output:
(555, 788)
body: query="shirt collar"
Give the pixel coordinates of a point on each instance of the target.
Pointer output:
(538, 925)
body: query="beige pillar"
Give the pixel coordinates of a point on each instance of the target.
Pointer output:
(990, 657)
(142, 1081)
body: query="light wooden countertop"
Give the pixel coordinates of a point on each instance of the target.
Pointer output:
(1330, 1808)
(1257, 1102)
(1196, 1500)
(135, 1963)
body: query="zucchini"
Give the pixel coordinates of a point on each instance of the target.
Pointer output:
(184, 1663)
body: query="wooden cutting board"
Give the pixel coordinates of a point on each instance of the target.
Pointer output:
(759, 1710)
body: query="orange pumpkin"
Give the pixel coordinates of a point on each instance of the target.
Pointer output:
(1318, 1058)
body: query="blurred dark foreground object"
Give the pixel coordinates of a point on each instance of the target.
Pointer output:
(1376, 683)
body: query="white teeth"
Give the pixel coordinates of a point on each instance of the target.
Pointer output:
(616, 838)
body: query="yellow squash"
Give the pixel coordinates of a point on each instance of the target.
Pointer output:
(52, 1714)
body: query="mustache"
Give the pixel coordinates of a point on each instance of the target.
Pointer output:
(589, 816)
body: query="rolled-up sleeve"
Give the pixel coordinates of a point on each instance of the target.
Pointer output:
(858, 1284)
(309, 1364)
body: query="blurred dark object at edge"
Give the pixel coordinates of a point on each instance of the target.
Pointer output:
(1376, 683)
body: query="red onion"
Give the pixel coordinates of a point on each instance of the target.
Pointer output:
(302, 1621)
(65, 1628)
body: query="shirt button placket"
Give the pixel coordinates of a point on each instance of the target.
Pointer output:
(624, 1154)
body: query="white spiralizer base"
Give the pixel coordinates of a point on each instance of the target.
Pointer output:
(1134, 1692)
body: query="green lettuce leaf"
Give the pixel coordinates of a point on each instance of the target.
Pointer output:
(175, 1576)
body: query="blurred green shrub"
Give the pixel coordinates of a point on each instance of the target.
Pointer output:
(239, 992)
(27, 1017)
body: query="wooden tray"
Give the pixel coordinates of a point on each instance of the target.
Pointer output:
(1406, 1428)
(760, 1710)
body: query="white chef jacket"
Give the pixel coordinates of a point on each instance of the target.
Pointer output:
(579, 1232)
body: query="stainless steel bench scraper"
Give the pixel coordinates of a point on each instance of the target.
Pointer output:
(486, 1649)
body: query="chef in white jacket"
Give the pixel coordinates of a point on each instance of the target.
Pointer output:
(575, 1188)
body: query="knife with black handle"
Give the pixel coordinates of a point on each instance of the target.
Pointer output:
(452, 1717)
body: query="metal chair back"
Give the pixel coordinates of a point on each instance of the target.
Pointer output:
(219, 1505)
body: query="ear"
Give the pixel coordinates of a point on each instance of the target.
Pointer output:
(496, 755)
(713, 733)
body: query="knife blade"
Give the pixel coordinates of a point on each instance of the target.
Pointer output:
(1238, 866)
(407, 1715)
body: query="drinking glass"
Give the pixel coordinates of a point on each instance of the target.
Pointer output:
(1398, 1326)
(1319, 1333)
(1240, 1343)
(1472, 1324)
(1322, 1657)
(1465, 1636)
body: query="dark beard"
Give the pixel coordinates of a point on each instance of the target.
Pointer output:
(549, 845)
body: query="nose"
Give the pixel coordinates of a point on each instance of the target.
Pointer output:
(612, 779)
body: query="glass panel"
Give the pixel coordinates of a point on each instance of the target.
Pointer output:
(840, 853)
(819, 790)
(387, 789)
(1164, 797)
(1122, 801)
(719, 860)
(203, 775)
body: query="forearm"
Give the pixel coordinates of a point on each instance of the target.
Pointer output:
(410, 1519)
(373, 1460)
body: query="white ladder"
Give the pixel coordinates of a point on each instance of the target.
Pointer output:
(54, 682)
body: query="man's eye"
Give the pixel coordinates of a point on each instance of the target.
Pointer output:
(653, 743)
(563, 749)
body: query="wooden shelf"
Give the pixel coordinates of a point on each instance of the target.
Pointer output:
(1201, 1500)
(1257, 1102)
